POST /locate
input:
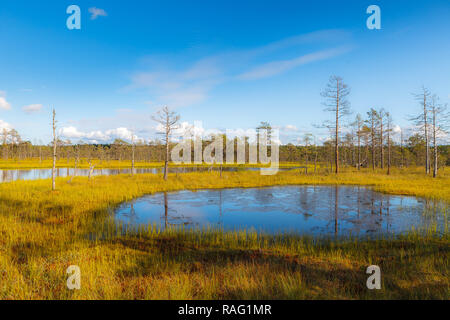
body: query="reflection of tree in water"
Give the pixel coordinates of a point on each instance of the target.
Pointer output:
(364, 209)
(220, 222)
(330, 210)
(307, 201)
(4, 176)
(371, 215)
(170, 218)
(131, 215)
(336, 210)
(263, 196)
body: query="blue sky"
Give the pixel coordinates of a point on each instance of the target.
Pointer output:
(230, 64)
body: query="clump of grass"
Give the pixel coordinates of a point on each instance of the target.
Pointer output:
(43, 232)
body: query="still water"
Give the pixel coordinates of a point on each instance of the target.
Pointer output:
(35, 174)
(314, 210)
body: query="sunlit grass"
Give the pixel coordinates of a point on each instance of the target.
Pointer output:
(43, 232)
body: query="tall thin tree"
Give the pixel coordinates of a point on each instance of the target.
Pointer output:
(133, 147)
(402, 153)
(372, 122)
(358, 124)
(336, 100)
(381, 117)
(54, 150)
(422, 122)
(388, 137)
(169, 122)
(439, 126)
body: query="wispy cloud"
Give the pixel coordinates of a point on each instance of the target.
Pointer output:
(277, 67)
(32, 108)
(192, 84)
(97, 12)
(179, 88)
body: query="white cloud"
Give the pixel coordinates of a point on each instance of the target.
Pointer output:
(290, 127)
(98, 135)
(5, 125)
(97, 12)
(121, 133)
(396, 129)
(4, 105)
(32, 108)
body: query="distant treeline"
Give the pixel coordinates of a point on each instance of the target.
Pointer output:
(368, 141)
(410, 152)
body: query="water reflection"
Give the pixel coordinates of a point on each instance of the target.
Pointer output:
(36, 174)
(302, 209)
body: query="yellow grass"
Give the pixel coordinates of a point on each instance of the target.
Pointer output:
(83, 163)
(43, 232)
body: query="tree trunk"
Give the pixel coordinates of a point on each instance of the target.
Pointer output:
(132, 154)
(166, 161)
(315, 160)
(401, 149)
(359, 149)
(389, 150)
(54, 152)
(373, 144)
(381, 143)
(427, 152)
(435, 167)
(336, 159)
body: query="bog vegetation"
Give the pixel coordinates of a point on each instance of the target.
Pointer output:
(48, 225)
(45, 232)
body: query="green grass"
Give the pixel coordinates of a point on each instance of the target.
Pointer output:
(43, 232)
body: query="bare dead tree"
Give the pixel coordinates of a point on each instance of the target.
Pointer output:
(133, 147)
(372, 121)
(308, 137)
(422, 122)
(5, 136)
(169, 122)
(40, 152)
(401, 149)
(315, 155)
(335, 94)
(381, 117)
(54, 151)
(388, 133)
(439, 126)
(358, 124)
